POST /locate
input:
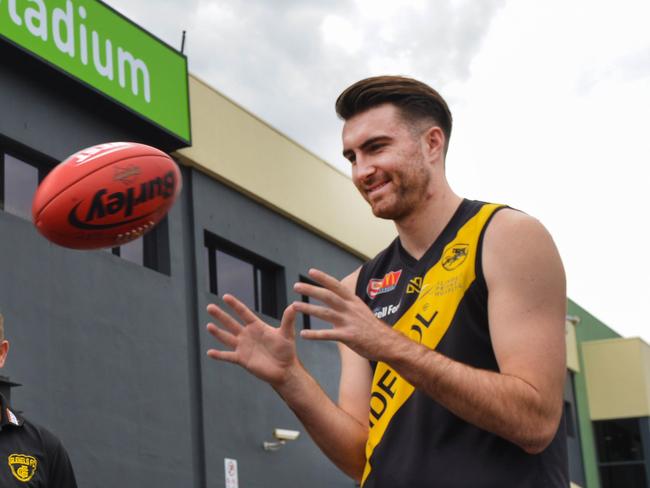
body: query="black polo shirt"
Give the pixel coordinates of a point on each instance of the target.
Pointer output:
(31, 456)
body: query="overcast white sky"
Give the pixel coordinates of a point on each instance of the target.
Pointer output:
(551, 103)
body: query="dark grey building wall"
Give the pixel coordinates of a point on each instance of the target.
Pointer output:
(111, 355)
(100, 346)
(91, 335)
(235, 402)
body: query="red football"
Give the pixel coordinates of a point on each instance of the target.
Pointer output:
(106, 195)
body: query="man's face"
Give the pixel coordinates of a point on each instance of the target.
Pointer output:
(388, 164)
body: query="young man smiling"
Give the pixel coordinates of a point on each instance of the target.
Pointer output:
(462, 384)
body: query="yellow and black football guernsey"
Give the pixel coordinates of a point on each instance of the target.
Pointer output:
(440, 301)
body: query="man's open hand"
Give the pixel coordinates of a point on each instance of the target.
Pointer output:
(267, 352)
(353, 322)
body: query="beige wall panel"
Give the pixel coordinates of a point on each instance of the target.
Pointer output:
(645, 365)
(237, 148)
(572, 361)
(618, 378)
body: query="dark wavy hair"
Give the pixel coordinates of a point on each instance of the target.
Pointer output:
(416, 101)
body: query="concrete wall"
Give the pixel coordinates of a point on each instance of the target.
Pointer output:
(618, 378)
(90, 342)
(240, 412)
(91, 334)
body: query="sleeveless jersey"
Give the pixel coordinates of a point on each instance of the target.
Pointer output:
(441, 302)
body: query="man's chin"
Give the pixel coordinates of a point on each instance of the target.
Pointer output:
(387, 213)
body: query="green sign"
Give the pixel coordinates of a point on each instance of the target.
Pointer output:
(96, 45)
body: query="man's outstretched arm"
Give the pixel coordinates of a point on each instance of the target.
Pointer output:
(526, 307)
(269, 353)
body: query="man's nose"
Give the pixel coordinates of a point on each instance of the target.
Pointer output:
(364, 168)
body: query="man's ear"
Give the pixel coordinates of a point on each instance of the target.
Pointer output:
(4, 349)
(434, 141)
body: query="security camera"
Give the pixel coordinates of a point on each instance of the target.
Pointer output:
(282, 436)
(286, 434)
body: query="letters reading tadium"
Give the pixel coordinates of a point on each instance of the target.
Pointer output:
(73, 40)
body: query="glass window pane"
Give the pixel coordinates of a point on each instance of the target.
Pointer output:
(133, 251)
(618, 440)
(315, 322)
(625, 476)
(576, 465)
(236, 277)
(209, 274)
(21, 181)
(258, 291)
(568, 416)
(311, 321)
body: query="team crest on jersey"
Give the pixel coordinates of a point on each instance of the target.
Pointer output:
(415, 285)
(23, 466)
(383, 285)
(455, 256)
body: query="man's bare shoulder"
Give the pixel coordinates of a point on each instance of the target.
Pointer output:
(511, 227)
(510, 218)
(518, 248)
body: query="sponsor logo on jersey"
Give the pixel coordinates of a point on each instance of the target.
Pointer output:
(414, 285)
(383, 285)
(383, 312)
(445, 287)
(385, 386)
(22, 466)
(455, 256)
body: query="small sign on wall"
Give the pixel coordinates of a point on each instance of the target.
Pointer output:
(230, 468)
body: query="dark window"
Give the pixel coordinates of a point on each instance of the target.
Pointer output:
(311, 321)
(239, 278)
(623, 476)
(150, 251)
(570, 419)
(620, 453)
(576, 465)
(253, 279)
(19, 183)
(618, 440)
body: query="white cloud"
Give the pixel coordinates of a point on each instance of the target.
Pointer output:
(553, 120)
(342, 34)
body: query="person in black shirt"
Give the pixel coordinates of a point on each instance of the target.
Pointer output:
(30, 456)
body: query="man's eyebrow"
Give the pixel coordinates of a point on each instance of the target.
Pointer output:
(349, 153)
